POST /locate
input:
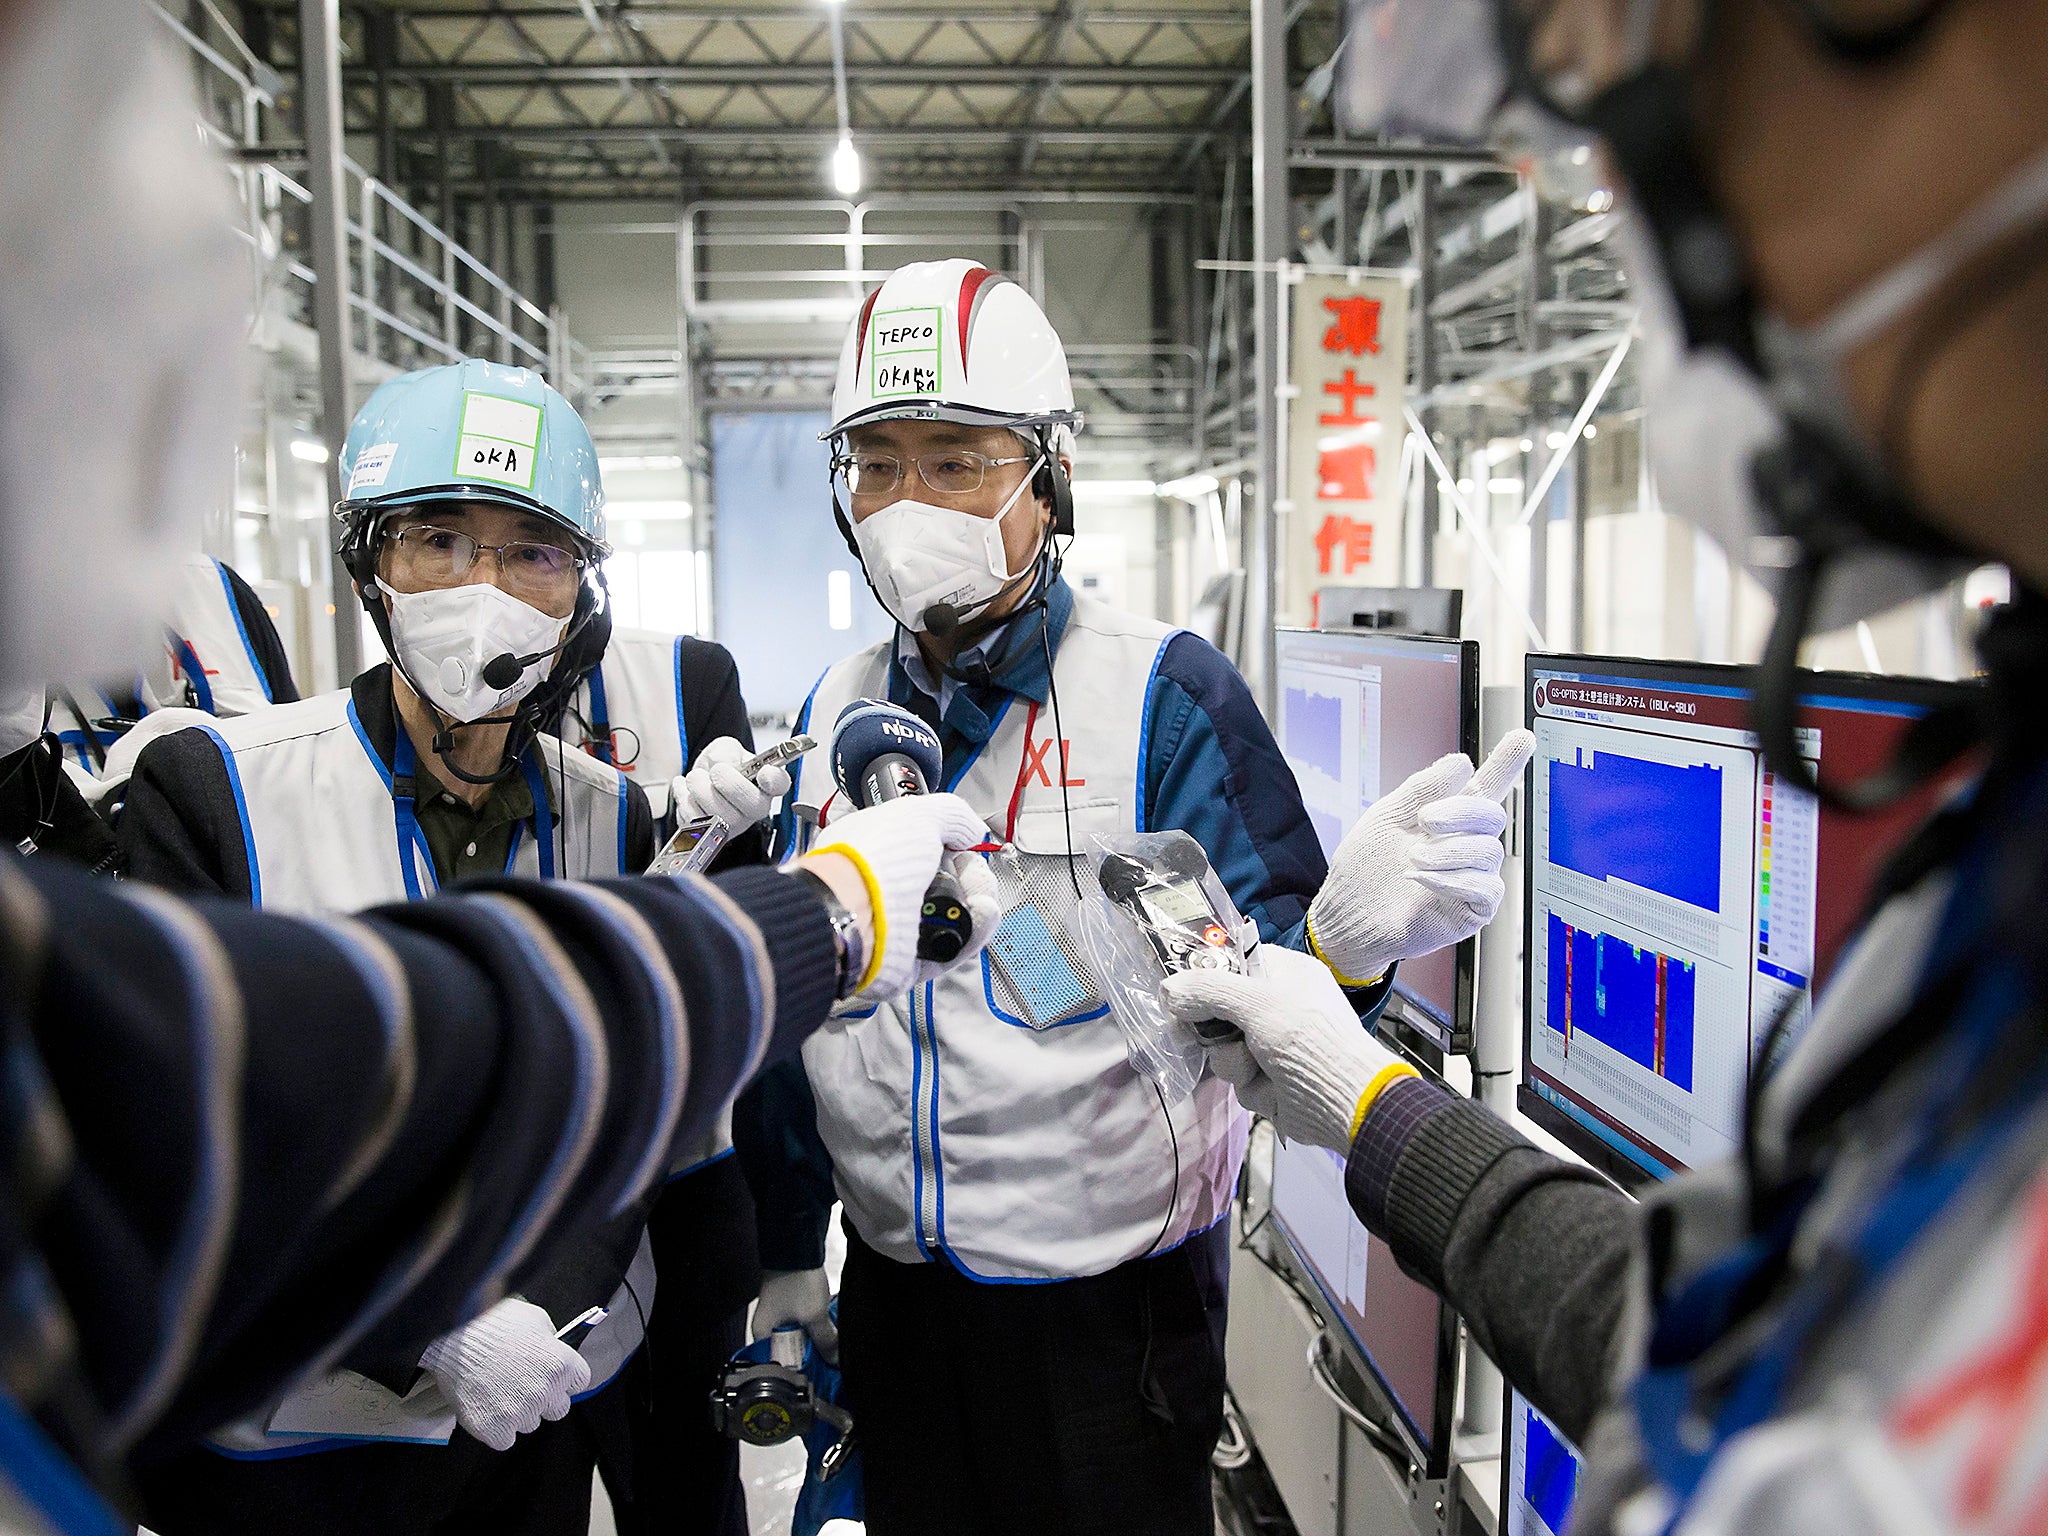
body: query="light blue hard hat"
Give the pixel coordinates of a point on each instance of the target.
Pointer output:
(472, 431)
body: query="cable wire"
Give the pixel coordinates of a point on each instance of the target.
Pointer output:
(1318, 1367)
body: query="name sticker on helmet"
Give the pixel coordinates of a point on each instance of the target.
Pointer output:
(905, 346)
(499, 440)
(372, 467)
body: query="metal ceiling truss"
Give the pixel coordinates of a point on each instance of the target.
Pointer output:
(583, 98)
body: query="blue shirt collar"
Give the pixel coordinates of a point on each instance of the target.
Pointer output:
(970, 711)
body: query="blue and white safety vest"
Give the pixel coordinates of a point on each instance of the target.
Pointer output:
(1009, 1133)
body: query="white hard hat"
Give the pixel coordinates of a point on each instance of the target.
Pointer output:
(952, 341)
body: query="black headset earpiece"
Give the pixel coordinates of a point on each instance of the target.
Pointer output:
(1051, 484)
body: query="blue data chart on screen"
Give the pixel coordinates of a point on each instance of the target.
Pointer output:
(1314, 729)
(1549, 1471)
(1639, 1001)
(1655, 825)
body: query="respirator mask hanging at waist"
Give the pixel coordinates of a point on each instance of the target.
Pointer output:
(919, 557)
(473, 649)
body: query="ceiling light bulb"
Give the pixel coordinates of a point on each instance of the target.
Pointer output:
(846, 167)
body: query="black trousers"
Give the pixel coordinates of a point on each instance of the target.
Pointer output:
(1078, 1406)
(668, 1472)
(540, 1487)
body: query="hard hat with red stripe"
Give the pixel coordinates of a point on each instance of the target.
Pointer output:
(953, 341)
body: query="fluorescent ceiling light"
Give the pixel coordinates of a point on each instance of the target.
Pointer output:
(640, 461)
(308, 451)
(846, 167)
(1097, 490)
(647, 511)
(1504, 485)
(1191, 487)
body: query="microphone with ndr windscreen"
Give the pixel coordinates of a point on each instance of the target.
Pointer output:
(883, 752)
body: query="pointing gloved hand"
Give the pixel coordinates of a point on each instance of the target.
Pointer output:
(899, 846)
(1421, 870)
(1305, 1063)
(800, 1296)
(714, 786)
(506, 1371)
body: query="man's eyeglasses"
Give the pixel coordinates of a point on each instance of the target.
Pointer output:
(432, 556)
(949, 471)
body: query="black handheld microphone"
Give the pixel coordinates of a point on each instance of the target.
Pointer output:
(883, 752)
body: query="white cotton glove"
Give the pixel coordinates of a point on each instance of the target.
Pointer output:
(1306, 1061)
(506, 1371)
(800, 1296)
(898, 846)
(1421, 870)
(714, 786)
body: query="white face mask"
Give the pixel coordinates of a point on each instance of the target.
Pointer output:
(21, 719)
(123, 303)
(446, 637)
(1706, 419)
(919, 556)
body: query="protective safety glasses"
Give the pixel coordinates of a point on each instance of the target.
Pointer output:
(429, 556)
(949, 471)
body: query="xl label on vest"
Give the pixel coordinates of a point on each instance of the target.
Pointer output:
(500, 439)
(905, 345)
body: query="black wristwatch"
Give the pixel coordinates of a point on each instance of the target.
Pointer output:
(846, 934)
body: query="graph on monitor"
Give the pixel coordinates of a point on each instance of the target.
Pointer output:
(1540, 1473)
(1682, 898)
(1652, 824)
(1640, 927)
(1637, 1001)
(1357, 714)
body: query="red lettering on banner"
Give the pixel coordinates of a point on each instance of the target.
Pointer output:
(1345, 474)
(1357, 330)
(1351, 392)
(1347, 534)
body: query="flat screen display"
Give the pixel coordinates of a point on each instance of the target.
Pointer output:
(1358, 713)
(1681, 898)
(1396, 1325)
(1540, 1472)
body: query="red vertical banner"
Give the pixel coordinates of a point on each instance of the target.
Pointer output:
(1341, 517)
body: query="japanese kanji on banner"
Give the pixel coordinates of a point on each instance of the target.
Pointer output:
(1350, 357)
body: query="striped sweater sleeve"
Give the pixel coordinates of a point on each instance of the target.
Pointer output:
(270, 1143)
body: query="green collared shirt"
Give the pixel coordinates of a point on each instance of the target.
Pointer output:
(470, 842)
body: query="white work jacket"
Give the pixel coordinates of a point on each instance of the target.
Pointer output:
(1020, 1147)
(324, 833)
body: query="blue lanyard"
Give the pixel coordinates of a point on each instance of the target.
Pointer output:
(1682, 1432)
(600, 718)
(412, 842)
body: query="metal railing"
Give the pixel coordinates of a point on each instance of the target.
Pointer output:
(418, 296)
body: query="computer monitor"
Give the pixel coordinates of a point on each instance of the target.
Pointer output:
(1680, 897)
(1539, 1472)
(1401, 1335)
(1398, 610)
(1358, 714)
